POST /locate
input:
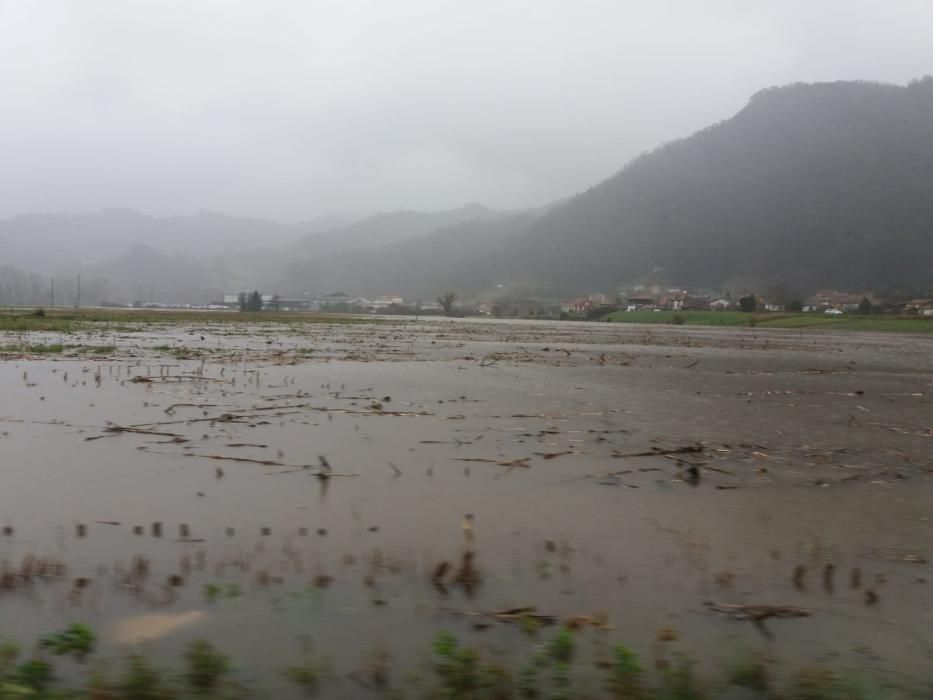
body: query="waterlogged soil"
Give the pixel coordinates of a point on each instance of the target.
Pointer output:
(355, 488)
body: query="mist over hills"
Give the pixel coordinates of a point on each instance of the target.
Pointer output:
(416, 268)
(809, 186)
(43, 242)
(125, 256)
(385, 228)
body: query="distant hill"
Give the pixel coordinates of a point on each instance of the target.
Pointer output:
(383, 229)
(827, 185)
(809, 186)
(126, 256)
(419, 267)
(46, 242)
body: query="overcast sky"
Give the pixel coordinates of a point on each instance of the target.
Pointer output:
(292, 108)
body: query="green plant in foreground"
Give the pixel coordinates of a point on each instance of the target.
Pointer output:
(308, 675)
(679, 682)
(77, 640)
(205, 667)
(749, 671)
(9, 653)
(562, 647)
(34, 675)
(141, 681)
(527, 684)
(457, 672)
(306, 678)
(463, 673)
(211, 592)
(626, 677)
(821, 683)
(138, 681)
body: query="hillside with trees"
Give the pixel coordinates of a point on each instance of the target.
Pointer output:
(808, 186)
(460, 256)
(826, 185)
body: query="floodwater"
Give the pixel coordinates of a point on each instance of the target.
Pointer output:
(624, 475)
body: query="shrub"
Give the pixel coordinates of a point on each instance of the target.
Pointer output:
(205, 666)
(36, 675)
(680, 683)
(748, 672)
(141, 681)
(77, 640)
(626, 675)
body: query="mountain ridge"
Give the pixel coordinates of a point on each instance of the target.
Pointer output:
(807, 186)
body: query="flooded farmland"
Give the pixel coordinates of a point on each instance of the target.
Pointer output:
(349, 489)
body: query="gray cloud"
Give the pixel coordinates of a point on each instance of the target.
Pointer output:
(287, 109)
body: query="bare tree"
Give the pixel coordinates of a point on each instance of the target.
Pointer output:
(446, 300)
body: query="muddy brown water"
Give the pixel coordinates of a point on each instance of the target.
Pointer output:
(810, 486)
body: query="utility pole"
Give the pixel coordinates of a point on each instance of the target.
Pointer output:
(52, 294)
(78, 293)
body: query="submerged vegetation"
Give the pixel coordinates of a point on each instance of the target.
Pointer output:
(74, 320)
(55, 349)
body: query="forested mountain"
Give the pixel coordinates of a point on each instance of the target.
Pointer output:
(808, 186)
(418, 267)
(824, 185)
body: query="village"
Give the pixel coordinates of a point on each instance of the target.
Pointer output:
(593, 306)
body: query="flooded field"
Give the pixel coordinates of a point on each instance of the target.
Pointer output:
(351, 489)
